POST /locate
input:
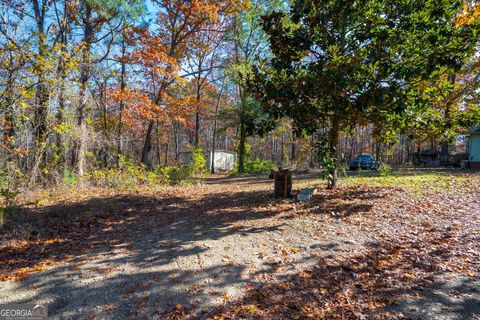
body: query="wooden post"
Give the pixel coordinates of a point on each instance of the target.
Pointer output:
(282, 190)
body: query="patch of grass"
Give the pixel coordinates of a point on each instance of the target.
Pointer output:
(417, 181)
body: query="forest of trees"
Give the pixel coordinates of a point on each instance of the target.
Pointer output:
(89, 84)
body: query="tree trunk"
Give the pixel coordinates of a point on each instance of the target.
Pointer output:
(402, 147)
(212, 149)
(165, 163)
(241, 146)
(197, 128)
(294, 151)
(83, 94)
(158, 142)
(147, 146)
(103, 105)
(41, 112)
(332, 169)
(41, 96)
(62, 74)
(60, 116)
(282, 148)
(444, 153)
(272, 148)
(312, 152)
(214, 133)
(177, 144)
(9, 127)
(122, 105)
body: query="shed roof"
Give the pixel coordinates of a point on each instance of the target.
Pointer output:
(208, 151)
(225, 151)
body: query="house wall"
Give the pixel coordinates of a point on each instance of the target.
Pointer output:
(474, 151)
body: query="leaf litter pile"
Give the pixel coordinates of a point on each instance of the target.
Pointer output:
(412, 236)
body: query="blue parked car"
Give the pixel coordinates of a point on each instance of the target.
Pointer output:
(364, 161)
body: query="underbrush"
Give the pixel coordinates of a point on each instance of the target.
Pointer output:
(15, 192)
(385, 170)
(16, 189)
(129, 175)
(256, 166)
(9, 191)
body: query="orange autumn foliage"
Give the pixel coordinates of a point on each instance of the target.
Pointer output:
(470, 14)
(159, 55)
(142, 107)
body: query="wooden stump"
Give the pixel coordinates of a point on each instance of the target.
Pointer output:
(283, 183)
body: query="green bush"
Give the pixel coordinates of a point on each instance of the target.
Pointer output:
(259, 166)
(330, 164)
(385, 170)
(162, 174)
(198, 161)
(69, 177)
(256, 166)
(180, 175)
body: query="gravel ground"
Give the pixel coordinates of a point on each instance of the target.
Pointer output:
(452, 296)
(201, 247)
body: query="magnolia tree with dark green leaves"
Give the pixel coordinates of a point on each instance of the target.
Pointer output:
(338, 64)
(442, 108)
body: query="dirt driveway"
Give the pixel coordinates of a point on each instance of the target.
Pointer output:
(227, 247)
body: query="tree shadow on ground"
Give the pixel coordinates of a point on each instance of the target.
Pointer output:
(95, 226)
(151, 234)
(127, 259)
(344, 202)
(388, 281)
(150, 237)
(219, 178)
(134, 295)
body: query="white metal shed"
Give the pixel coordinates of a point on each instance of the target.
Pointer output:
(223, 161)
